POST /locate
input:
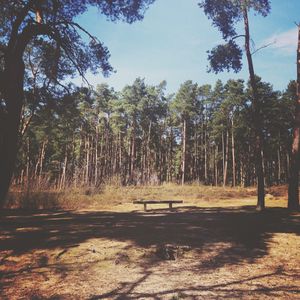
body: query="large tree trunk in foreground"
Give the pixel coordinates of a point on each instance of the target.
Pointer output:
(12, 91)
(256, 120)
(293, 201)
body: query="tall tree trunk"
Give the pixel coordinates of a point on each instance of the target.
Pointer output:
(183, 166)
(293, 200)
(233, 154)
(121, 165)
(279, 165)
(12, 91)
(226, 159)
(223, 157)
(205, 156)
(42, 161)
(132, 154)
(256, 119)
(216, 151)
(148, 153)
(62, 183)
(96, 155)
(87, 161)
(27, 159)
(170, 161)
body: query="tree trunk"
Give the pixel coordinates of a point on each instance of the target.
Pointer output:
(256, 120)
(293, 200)
(183, 168)
(96, 156)
(12, 91)
(132, 154)
(87, 161)
(64, 171)
(27, 159)
(170, 161)
(226, 159)
(216, 151)
(279, 165)
(223, 156)
(205, 156)
(42, 161)
(233, 154)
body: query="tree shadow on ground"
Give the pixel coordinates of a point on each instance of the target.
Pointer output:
(228, 290)
(246, 233)
(245, 229)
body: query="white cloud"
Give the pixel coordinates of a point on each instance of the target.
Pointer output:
(286, 41)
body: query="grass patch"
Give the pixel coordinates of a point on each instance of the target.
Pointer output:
(111, 195)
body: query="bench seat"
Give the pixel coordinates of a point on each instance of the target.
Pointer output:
(145, 202)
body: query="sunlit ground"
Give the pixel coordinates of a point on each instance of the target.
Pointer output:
(110, 249)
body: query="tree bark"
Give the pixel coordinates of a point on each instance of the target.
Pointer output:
(42, 161)
(279, 165)
(233, 154)
(183, 168)
(256, 119)
(216, 151)
(205, 156)
(12, 90)
(64, 171)
(293, 198)
(96, 155)
(226, 159)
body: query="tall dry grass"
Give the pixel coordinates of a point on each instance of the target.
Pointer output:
(111, 194)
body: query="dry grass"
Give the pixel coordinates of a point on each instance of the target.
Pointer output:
(112, 195)
(107, 248)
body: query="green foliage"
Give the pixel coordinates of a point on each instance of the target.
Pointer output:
(225, 57)
(82, 124)
(225, 16)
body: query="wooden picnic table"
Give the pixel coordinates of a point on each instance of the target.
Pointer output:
(145, 202)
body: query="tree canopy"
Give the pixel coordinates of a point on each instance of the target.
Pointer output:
(225, 14)
(43, 38)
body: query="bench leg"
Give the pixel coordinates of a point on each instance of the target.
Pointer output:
(170, 206)
(145, 206)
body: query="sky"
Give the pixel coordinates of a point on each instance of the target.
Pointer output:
(172, 41)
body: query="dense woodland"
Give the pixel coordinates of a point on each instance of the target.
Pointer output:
(140, 135)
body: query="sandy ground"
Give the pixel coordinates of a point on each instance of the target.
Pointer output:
(221, 251)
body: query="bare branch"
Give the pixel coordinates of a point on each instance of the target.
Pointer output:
(44, 29)
(263, 47)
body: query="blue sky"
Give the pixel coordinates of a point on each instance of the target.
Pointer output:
(171, 43)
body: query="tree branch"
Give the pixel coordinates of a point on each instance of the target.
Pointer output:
(237, 36)
(16, 25)
(36, 29)
(262, 47)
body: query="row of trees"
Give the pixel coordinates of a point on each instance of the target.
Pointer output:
(143, 136)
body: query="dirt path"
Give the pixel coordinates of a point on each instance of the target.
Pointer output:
(232, 252)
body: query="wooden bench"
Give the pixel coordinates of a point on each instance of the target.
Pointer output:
(145, 202)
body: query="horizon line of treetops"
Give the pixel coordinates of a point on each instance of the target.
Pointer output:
(140, 135)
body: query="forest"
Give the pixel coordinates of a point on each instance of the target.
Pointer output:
(231, 133)
(142, 136)
(140, 191)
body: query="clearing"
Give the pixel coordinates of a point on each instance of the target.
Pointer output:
(220, 249)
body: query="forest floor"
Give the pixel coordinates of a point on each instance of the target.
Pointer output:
(213, 246)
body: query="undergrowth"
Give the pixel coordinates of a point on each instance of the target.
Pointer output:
(110, 195)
